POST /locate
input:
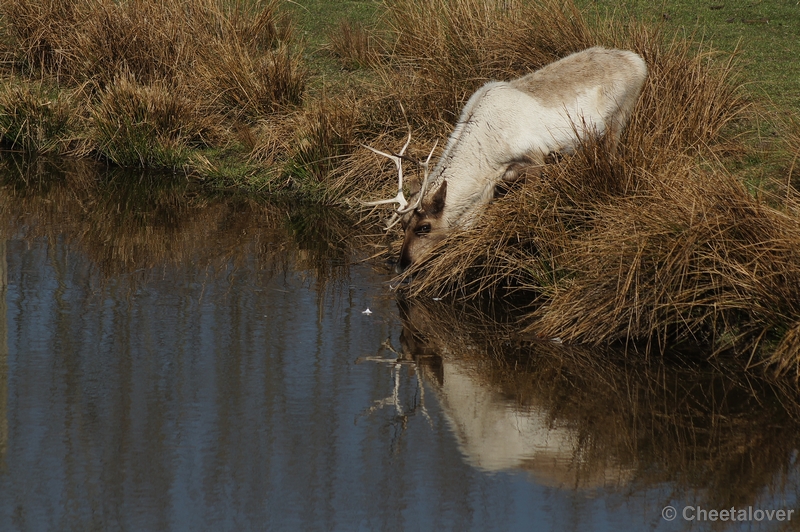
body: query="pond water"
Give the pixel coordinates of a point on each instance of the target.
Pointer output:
(170, 361)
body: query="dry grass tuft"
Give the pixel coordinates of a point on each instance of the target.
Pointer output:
(354, 45)
(313, 147)
(792, 136)
(35, 118)
(325, 134)
(688, 254)
(145, 125)
(691, 96)
(242, 84)
(94, 40)
(699, 259)
(235, 60)
(786, 355)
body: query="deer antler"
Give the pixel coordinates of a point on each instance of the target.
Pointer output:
(404, 207)
(398, 162)
(423, 185)
(399, 198)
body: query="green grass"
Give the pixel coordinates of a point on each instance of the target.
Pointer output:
(316, 19)
(766, 33)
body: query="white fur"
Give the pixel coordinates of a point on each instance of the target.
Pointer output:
(521, 121)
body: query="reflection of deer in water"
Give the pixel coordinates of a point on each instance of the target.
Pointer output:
(495, 431)
(586, 418)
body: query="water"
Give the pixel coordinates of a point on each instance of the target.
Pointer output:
(175, 362)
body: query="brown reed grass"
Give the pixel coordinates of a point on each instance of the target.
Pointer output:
(324, 136)
(241, 84)
(235, 60)
(146, 125)
(36, 118)
(312, 148)
(354, 45)
(699, 258)
(93, 40)
(791, 134)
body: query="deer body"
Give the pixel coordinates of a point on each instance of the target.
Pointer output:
(502, 131)
(508, 127)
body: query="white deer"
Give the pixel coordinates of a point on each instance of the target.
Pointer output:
(508, 127)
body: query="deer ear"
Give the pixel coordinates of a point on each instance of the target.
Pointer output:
(437, 202)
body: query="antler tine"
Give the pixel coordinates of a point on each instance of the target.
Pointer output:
(399, 198)
(424, 185)
(430, 155)
(392, 221)
(398, 162)
(403, 151)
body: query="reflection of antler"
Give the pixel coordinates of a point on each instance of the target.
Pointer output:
(421, 387)
(394, 398)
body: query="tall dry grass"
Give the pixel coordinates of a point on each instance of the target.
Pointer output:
(792, 135)
(312, 149)
(146, 125)
(699, 258)
(37, 118)
(246, 84)
(355, 45)
(93, 40)
(234, 60)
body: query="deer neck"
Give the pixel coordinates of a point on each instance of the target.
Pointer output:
(471, 179)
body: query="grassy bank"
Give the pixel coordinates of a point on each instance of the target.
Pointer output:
(764, 33)
(689, 233)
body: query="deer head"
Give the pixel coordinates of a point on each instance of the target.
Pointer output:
(410, 225)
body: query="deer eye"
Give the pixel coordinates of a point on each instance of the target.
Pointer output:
(423, 229)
